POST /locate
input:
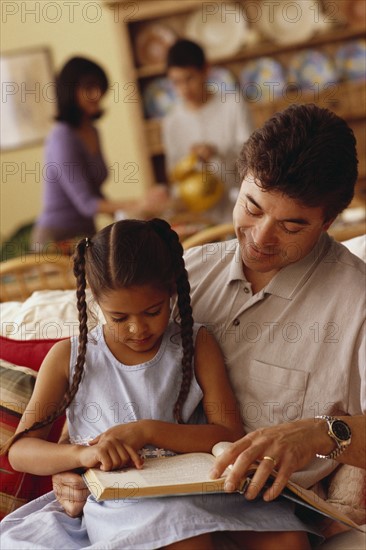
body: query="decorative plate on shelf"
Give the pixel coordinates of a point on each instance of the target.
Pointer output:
(220, 33)
(158, 97)
(152, 43)
(350, 60)
(221, 78)
(310, 68)
(262, 79)
(288, 22)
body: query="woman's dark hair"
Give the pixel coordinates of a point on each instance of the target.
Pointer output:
(124, 254)
(185, 53)
(307, 153)
(77, 72)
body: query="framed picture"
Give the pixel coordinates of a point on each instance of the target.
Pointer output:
(28, 97)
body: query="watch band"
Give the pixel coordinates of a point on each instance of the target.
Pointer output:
(340, 446)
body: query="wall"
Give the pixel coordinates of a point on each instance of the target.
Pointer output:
(69, 28)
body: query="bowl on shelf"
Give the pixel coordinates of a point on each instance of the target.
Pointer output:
(262, 79)
(158, 97)
(309, 69)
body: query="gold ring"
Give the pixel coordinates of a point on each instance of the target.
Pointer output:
(272, 459)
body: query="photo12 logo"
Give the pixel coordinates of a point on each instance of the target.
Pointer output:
(67, 11)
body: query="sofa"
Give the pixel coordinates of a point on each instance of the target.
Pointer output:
(30, 328)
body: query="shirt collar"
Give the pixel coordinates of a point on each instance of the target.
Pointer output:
(290, 278)
(236, 272)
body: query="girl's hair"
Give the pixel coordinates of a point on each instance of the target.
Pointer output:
(125, 254)
(77, 72)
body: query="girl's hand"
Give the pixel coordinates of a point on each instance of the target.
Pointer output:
(117, 446)
(71, 492)
(109, 454)
(291, 446)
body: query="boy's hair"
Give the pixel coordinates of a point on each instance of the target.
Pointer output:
(124, 254)
(185, 53)
(307, 153)
(78, 71)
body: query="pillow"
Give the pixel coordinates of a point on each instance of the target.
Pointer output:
(347, 491)
(17, 488)
(357, 246)
(25, 352)
(46, 314)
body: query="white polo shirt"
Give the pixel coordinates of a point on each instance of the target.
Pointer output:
(296, 349)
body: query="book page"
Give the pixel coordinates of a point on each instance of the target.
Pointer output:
(185, 468)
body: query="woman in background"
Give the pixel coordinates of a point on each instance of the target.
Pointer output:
(75, 169)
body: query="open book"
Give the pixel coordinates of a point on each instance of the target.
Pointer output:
(188, 474)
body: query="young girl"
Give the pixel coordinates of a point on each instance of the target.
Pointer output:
(135, 382)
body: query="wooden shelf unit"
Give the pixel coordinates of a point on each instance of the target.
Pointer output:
(265, 48)
(345, 98)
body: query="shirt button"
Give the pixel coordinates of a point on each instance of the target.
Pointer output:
(236, 322)
(246, 290)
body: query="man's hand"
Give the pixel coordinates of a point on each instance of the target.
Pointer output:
(71, 492)
(288, 447)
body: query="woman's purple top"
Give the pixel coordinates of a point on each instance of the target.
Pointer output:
(72, 180)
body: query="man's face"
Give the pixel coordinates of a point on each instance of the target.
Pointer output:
(274, 230)
(189, 83)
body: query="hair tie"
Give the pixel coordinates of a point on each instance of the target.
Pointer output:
(87, 242)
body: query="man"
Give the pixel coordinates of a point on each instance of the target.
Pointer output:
(278, 299)
(209, 122)
(286, 304)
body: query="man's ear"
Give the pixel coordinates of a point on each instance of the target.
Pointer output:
(206, 69)
(327, 224)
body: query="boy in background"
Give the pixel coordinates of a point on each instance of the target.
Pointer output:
(212, 124)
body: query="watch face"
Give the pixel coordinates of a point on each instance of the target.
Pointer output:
(341, 430)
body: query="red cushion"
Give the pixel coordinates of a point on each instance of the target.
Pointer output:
(28, 353)
(18, 488)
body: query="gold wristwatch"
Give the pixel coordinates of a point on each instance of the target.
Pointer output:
(340, 432)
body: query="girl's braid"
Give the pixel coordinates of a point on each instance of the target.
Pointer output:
(79, 272)
(185, 310)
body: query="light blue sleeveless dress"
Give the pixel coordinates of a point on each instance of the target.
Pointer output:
(112, 393)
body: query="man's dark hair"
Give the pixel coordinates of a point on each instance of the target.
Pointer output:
(185, 53)
(78, 71)
(307, 153)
